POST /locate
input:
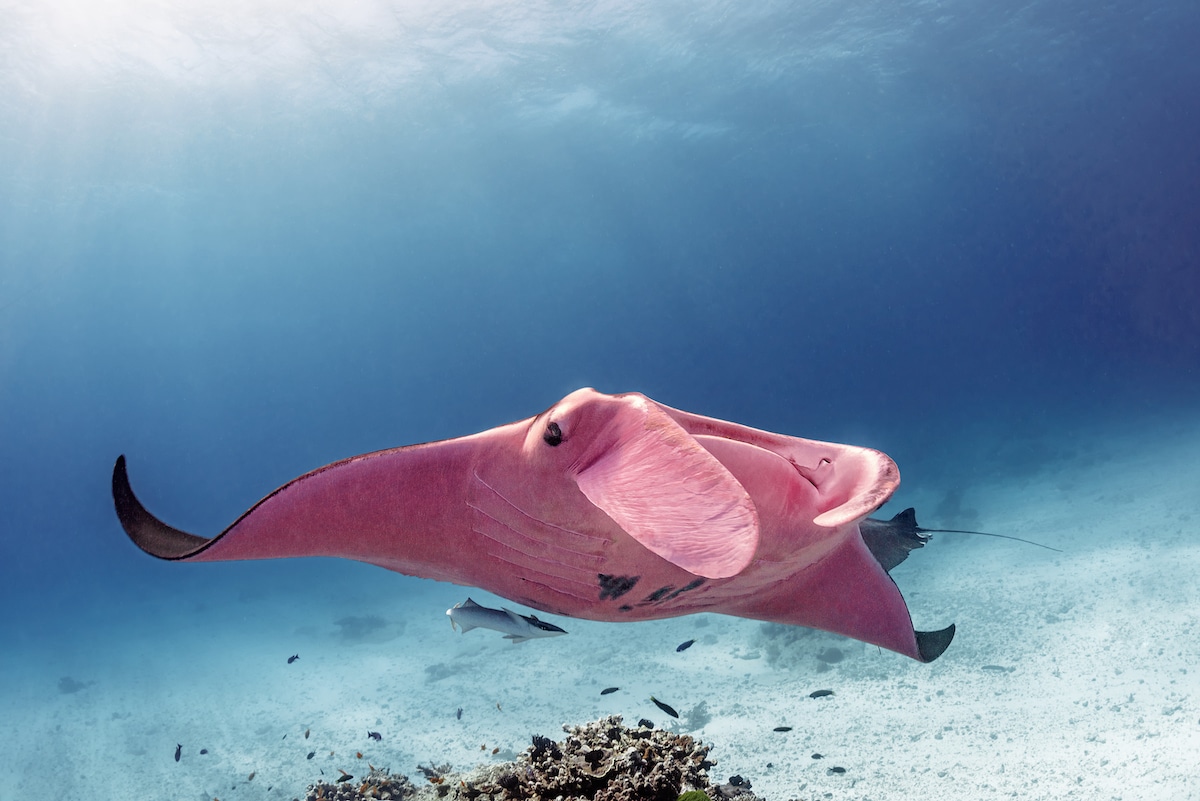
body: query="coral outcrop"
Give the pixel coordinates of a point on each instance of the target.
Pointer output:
(599, 761)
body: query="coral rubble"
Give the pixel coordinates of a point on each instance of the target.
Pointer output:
(599, 761)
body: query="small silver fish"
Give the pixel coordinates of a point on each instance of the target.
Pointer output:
(518, 628)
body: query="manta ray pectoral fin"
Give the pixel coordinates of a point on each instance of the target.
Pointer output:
(931, 644)
(148, 532)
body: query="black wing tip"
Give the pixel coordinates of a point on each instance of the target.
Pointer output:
(145, 530)
(932, 644)
(119, 471)
(124, 500)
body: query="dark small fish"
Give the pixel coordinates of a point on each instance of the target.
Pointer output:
(374, 735)
(178, 752)
(609, 690)
(835, 770)
(458, 714)
(665, 707)
(204, 750)
(782, 728)
(998, 669)
(683, 646)
(820, 693)
(345, 777)
(311, 754)
(306, 733)
(293, 658)
(818, 756)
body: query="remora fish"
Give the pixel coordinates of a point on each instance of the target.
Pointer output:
(517, 628)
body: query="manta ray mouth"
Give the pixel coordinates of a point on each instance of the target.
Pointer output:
(815, 475)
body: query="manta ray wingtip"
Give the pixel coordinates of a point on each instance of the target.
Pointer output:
(932, 644)
(148, 532)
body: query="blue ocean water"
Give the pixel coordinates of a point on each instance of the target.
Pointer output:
(241, 240)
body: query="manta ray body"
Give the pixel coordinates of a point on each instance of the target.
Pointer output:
(603, 507)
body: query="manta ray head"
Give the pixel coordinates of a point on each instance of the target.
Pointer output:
(585, 426)
(643, 470)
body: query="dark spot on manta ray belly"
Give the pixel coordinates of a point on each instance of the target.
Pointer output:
(669, 592)
(658, 594)
(615, 586)
(691, 585)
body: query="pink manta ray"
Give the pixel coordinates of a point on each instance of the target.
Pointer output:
(604, 507)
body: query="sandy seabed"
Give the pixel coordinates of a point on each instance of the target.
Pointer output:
(1073, 675)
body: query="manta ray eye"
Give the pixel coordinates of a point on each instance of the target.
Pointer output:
(553, 435)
